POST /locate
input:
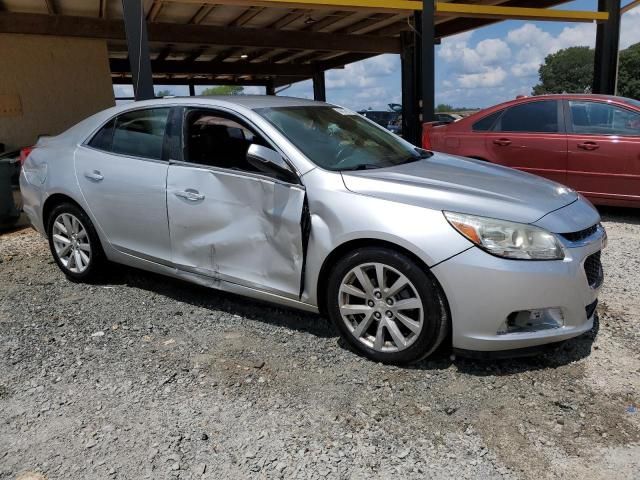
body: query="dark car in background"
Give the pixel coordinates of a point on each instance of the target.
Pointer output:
(10, 201)
(381, 117)
(447, 117)
(589, 142)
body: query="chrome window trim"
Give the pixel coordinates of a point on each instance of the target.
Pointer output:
(145, 107)
(105, 152)
(236, 173)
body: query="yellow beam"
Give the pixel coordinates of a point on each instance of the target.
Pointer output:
(629, 6)
(443, 9)
(517, 13)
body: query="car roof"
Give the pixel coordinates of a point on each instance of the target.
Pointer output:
(560, 96)
(247, 101)
(550, 96)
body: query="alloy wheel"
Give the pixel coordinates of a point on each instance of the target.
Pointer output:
(71, 243)
(381, 307)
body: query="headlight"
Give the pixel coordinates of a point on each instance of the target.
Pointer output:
(507, 239)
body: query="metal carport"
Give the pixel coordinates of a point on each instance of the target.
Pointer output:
(276, 42)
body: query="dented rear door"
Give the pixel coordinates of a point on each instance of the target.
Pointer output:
(236, 227)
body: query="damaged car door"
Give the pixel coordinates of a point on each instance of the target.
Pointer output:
(228, 219)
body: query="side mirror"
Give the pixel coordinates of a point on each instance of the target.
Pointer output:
(270, 162)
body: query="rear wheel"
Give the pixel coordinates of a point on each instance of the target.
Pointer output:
(74, 243)
(386, 306)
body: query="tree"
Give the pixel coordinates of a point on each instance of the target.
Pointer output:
(629, 72)
(443, 107)
(224, 90)
(568, 70)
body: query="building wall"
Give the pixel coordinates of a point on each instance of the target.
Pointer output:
(48, 83)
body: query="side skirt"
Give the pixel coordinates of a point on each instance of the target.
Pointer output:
(135, 261)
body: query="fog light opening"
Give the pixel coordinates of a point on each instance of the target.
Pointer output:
(527, 321)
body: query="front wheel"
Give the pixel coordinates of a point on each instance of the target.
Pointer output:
(74, 243)
(386, 306)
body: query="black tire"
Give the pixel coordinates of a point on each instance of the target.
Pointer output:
(95, 267)
(435, 318)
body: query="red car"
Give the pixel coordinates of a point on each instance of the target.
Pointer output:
(588, 142)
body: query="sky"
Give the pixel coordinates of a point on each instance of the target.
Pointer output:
(474, 69)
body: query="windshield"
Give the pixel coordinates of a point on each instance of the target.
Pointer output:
(338, 139)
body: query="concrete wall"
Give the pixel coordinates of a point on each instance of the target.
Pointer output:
(57, 81)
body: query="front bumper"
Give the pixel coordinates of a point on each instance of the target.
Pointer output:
(483, 291)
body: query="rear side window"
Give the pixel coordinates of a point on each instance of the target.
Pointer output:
(534, 117)
(487, 122)
(139, 133)
(595, 118)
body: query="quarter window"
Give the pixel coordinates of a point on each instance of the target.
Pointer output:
(596, 118)
(487, 122)
(534, 117)
(104, 138)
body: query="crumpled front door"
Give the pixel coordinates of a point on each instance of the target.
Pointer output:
(237, 227)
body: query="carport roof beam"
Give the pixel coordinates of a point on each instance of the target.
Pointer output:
(38, 24)
(442, 9)
(518, 13)
(629, 6)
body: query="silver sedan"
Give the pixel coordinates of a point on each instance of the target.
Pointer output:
(313, 206)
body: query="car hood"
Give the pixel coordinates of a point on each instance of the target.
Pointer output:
(446, 182)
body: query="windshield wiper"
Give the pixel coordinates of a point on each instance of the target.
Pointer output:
(360, 166)
(415, 158)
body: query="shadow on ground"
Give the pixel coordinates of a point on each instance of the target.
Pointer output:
(620, 215)
(549, 356)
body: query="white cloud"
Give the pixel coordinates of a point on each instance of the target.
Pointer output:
(472, 73)
(473, 60)
(490, 78)
(493, 50)
(533, 44)
(362, 74)
(510, 64)
(629, 31)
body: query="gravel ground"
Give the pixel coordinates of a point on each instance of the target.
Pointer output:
(146, 377)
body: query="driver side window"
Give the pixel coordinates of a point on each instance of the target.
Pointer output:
(218, 140)
(596, 118)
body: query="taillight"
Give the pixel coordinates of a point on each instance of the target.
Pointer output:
(24, 153)
(426, 140)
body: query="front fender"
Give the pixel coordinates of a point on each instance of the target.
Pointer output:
(339, 216)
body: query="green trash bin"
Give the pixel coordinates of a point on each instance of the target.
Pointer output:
(9, 208)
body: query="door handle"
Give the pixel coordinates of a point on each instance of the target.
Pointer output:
(503, 142)
(588, 146)
(191, 195)
(96, 176)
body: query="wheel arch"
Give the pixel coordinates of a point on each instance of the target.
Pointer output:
(52, 202)
(351, 245)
